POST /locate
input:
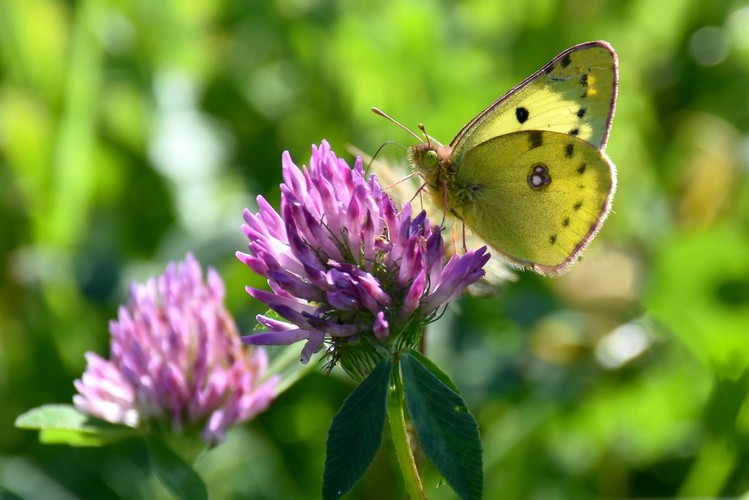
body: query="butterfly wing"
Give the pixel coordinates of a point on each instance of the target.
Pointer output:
(573, 94)
(538, 197)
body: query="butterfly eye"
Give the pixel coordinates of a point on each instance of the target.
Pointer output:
(430, 158)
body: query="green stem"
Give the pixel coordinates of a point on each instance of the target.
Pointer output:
(399, 433)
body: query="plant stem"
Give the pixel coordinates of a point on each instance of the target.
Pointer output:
(398, 431)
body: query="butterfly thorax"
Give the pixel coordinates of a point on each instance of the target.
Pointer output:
(435, 167)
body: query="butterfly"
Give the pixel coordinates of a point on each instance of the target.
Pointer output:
(529, 175)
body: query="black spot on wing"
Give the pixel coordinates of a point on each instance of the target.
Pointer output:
(552, 239)
(569, 150)
(581, 112)
(565, 222)
(539, 177)
(581, 169)
(535, 138)
(521, 114)
(575, 131)
(584, 83)
(578, 205)
(566, 60)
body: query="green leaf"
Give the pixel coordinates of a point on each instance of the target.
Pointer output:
(448, 433)
(355, 434)
(429, 365)
(173, 473)
(64, 424)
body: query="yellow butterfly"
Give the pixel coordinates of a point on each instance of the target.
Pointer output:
(528, 174)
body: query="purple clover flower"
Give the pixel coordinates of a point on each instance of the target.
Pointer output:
(176, 357)
(343, 264)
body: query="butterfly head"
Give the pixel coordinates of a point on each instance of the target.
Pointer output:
(433, 164)
(429, 160)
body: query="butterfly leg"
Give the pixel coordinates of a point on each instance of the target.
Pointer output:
(463, 229)
(403, 179)
(453, 239)
(444, 202)
(463, 225)
(419, 193)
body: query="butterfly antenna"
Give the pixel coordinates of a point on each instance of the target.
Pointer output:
(378, 111)
(424, 131)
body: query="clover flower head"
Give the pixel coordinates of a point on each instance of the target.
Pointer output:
(176, 360)
(345, 266)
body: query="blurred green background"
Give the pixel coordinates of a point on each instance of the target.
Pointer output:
(134, 131)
